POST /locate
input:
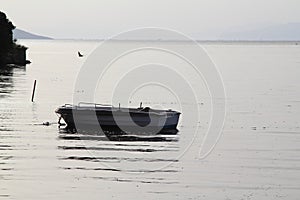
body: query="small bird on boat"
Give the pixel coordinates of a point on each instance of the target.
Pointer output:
(79, 54)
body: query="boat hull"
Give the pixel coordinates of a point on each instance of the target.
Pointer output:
(113, 122)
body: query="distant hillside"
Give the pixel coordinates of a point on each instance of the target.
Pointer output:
(20, 34)
(283, 32)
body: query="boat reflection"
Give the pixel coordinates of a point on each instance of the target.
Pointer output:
(130, 154)
(70, 134)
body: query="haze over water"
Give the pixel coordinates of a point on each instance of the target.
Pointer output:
(257, 156)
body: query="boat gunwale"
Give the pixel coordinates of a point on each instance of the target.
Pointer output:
(121, 109)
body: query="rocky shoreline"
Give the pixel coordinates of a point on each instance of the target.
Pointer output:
(11, 53)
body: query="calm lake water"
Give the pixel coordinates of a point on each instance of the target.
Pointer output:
(257, 156)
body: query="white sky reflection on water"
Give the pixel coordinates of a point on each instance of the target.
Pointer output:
(256, 158)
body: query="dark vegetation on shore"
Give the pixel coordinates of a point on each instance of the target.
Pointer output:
(10, 51)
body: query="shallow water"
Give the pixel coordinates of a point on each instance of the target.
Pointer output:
(257, 156)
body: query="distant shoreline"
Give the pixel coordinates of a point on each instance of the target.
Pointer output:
(179, 41)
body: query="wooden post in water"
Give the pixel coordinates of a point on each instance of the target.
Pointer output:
(33, 91)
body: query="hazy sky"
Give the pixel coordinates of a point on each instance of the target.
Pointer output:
(101, 18)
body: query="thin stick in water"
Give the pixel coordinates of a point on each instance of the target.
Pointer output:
(33, 91)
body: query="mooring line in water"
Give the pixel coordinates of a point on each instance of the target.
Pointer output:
(47, 123)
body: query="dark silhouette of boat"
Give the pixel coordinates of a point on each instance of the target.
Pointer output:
(118, 121)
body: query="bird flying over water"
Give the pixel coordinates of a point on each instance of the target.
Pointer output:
(79, 54)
